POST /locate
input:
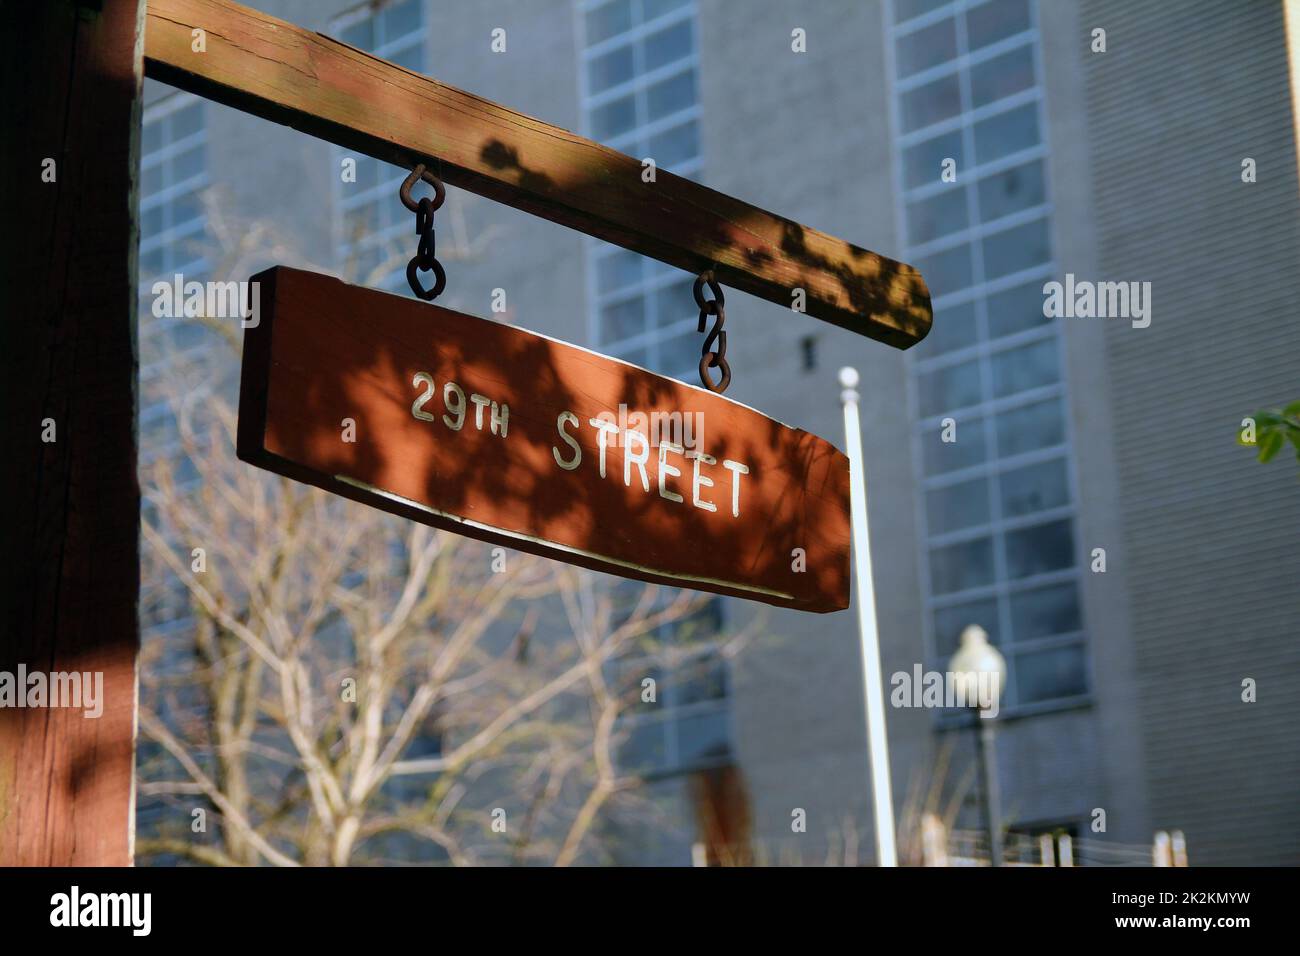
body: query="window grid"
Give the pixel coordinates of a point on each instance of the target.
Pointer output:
(664, 336)
(660, 338)
(369, 223)
(686, 654)
(173, 173)
(995, 463)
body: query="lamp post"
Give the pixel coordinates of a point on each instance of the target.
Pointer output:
(979, 673)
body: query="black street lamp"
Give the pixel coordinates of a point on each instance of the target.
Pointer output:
(979, 673)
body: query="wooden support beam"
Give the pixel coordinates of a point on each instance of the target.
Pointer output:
(328, 89)
(71, 502)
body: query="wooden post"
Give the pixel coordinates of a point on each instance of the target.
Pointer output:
(72, 80)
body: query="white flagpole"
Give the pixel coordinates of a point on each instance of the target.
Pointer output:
(873, 685)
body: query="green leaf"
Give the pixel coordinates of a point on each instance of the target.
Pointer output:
(1292, 410)
(1269, 444)
(1267, 418)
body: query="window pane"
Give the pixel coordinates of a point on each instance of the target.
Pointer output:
(650, 9)
(151, 180)
(411, 57)
(151, 222)
(1002, 76)
(1034, 488)
(949, 622)
(186, 208)
(675, 302)
(608, 20)
(187, 121)
(616, 270)
(948, 271)
(1030, 366)
(671, 95)
(151, 263)
(1037, 550)
(700, 680)
(675, 146)
(963, 505)
(359, 35)
(645, 747)
(953, 328)
(400, 19)
(923, 163)
(622, 319)
(679, 357)
(927, 47)
(1007, 133)
(950, 388)
(610, 69)
(613, 118)
(187, 165)
(1011, 191)
(1016, 309)
(1051, 674)
(636, 356)
(995, 21)
(1046, 611)
(668, 45)
(1035, 426)
(937, 216)
(152, 141)
(968, 448)
(702, 738)
(907, 9)
(1012, 250)
(931, 103)
(956, 567)
(368, 172)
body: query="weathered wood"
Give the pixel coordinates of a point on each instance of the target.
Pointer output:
(329, 89)
(71, 506)
(327, 356)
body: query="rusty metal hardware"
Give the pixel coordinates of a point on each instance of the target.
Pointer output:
(424, 259)
(711, 358)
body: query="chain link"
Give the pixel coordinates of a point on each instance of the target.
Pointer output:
(425, 259)
(710, 357)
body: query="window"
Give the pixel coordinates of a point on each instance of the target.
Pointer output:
(997, 503)
(640, 95)
(687, 726)
(372, 229)
(173, 174)
(173, 232)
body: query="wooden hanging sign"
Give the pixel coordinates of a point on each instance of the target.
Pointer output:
(514, 438)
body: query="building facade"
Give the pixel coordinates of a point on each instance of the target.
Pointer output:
(1073, 485)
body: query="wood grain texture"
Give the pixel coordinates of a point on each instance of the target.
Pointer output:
(331, 90)
(325, 352)
(71, 507)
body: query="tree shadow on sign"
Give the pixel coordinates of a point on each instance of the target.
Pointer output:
(457, 423)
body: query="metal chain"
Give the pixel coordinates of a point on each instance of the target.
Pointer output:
(709, 357)
(424, 259)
